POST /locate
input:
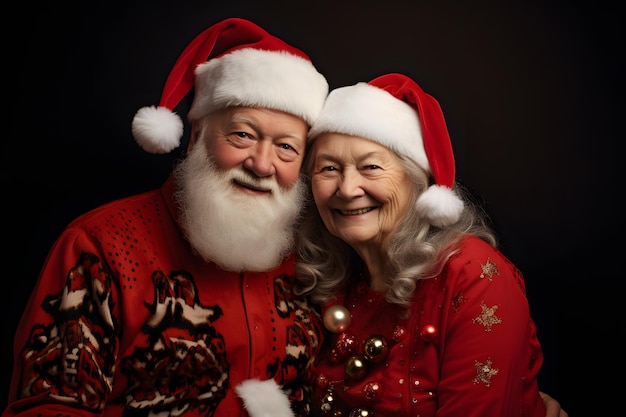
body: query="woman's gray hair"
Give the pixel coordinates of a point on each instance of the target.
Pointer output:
(416, 250)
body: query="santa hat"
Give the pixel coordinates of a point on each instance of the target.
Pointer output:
(394, 111)
(232, 63)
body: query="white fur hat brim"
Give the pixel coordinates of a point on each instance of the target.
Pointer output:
(257, 78)
(369, 112)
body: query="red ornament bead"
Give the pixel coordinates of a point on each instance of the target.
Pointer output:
(322, 381)
(371, 390)
(429, 333)
(399, 333)
(346, 345)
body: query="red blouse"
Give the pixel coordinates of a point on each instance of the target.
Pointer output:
(125, 316)
(467, 348)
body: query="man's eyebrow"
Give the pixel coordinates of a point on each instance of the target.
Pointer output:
(242, 118)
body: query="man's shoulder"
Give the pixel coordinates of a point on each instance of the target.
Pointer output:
(139, 205)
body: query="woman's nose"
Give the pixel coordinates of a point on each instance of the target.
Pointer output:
(350, 185)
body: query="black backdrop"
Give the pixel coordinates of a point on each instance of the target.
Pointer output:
(531, 92)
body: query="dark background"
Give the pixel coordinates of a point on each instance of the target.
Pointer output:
(532, 92)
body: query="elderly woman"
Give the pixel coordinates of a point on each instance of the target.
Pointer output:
(428, 317)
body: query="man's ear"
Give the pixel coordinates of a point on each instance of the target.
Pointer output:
(193, 137)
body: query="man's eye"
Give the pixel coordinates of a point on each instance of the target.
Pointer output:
(372, 167)
(242, 135)
(286, 147)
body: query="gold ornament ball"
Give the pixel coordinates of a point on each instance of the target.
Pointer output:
(376, 348)
(337, 319)
(356, 367)
(361, 412)
(328, 398)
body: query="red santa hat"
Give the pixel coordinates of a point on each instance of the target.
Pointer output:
(232, 63)
(394, 111)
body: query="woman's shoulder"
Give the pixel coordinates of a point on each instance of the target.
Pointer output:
(476, 256)
(477, 262)
(473, 247)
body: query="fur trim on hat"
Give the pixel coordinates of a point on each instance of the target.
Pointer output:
(369, 112)
(157, 129)
(440, 205)
(264, 398)
(257, 78)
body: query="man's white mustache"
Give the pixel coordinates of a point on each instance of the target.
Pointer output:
(250, 181)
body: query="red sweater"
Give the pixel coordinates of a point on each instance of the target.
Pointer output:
(468, 347)
(126, 316)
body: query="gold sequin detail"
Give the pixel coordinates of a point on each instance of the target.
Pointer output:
(489, 269)
(487, 317)
(457, 300)
(484, 372)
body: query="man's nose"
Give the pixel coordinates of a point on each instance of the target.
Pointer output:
(261, 159)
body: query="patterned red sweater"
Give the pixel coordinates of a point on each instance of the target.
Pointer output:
(126, 318)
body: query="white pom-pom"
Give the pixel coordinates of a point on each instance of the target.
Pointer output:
(157, 129)
(440, 205)
(264, 398)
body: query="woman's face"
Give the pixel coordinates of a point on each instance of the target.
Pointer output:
(360, 188)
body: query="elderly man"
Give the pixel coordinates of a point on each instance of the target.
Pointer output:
(177, 301)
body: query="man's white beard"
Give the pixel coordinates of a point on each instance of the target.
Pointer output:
(224, 225)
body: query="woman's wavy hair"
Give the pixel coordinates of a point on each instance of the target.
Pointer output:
(416, 250)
